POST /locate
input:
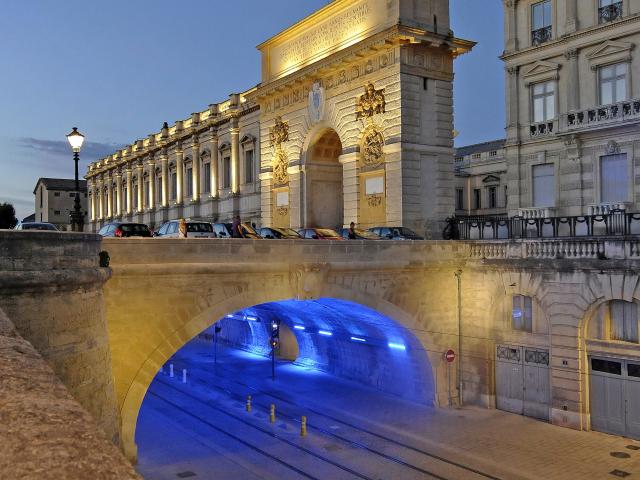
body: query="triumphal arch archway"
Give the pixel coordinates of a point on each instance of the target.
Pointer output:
(357, 116)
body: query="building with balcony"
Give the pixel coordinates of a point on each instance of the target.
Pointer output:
(573, 106)
(54, 201)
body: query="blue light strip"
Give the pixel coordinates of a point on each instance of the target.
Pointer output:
(325, 333)
(299, 327)
(397, 346)
(358, 339)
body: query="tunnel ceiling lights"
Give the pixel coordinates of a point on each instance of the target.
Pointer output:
(359, 339)
(299, 327)
(397, 346)
(325, 333)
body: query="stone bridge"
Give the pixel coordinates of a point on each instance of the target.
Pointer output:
(162, 293)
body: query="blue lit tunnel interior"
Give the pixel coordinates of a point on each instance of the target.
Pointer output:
(341, 338)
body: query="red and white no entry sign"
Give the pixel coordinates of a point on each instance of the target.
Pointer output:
(450, 355)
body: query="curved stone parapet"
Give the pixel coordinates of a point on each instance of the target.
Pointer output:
(44, 433)
(51, 288)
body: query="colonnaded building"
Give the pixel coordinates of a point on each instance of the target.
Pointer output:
(352, 121)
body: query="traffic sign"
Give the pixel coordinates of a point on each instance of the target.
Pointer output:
(450, 356)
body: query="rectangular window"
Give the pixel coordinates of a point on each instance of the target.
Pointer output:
(613, 83)
(56, 194)
(606, 366)
(158, 191)
(614, 180)
(506, 196)
(124, 199)
(459, 199)
(147, 194)
(56, 212)
(493, 197)
(624, 321)
(544, 185)
(374, 186)
(206, 181)
(41, 196)
(541, 24)
(134, 194)
(522, 314)
(174, 185)
(189, 180)
(477, 203)
(282, 199)
(248, 166)
(543, 99)
(609, 10)
(226, 172)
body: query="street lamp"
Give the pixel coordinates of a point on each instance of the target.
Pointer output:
(76, 139)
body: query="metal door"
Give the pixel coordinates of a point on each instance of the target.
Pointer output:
(509, 379)
(608, 396)
(633, 400)
(536, 383)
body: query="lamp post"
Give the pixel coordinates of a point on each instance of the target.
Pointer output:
(76, 139)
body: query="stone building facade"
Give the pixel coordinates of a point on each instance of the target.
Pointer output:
(54, 199)
(573, 106)
(352, 121)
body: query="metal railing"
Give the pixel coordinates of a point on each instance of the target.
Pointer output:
(609, 13)
(541, 35)
(614, 223)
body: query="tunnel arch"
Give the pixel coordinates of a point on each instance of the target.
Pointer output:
(177, 338)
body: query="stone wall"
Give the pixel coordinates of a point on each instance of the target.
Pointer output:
(51, 288)
(44, 432)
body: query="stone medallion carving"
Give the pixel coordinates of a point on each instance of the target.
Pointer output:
(316, 102)
(278, 135)
(612, 148)
(307, 280)
(372, 147)
(371, 103)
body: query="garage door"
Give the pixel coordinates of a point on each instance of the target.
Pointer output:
(615, 396)
(522, 381)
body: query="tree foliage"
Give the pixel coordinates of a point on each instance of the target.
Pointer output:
(7, 216)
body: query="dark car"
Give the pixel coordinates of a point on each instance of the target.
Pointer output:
(279, 233)
(360, 234)
(319, 234)
(36, 226)
(194, 230)
(122, 230)
(224, 230)
(396, 233)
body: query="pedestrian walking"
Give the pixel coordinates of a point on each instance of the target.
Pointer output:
(352, 231)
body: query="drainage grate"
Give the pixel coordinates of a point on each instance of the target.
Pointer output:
(620, 455)
(185, 474)
(619, 473)
(633, 447)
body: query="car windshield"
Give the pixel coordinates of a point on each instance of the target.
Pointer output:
(325, 232)
(199, 227)
(288, 231)
(367, 234)
(246, 228)
(134, 227)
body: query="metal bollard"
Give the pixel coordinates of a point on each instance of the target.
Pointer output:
(272, 414)
(171, 370)
(303, 427)
(249, 403)
(184, 375)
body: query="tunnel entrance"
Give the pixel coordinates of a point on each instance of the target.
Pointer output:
(337, 361)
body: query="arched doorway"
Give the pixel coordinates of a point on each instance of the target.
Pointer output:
(324, 200)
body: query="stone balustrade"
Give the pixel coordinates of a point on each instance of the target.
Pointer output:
(603, 115)
(536, 212)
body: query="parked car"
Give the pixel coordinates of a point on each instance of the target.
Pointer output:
(36, 226)
(279, 233)
(396, 233)
(319, 234)
(223, 230)
(360, 234)
(120, 229)
(194, 230)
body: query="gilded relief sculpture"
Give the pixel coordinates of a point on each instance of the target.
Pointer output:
(371, 103)
(278, 135)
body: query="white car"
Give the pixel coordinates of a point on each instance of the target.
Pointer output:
(194, 230)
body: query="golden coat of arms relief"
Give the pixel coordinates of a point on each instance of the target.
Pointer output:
(278, 135)
(369, 105)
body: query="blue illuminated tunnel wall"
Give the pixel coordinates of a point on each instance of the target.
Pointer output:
(343, 338)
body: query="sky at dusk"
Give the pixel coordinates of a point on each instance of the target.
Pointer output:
(118, 69)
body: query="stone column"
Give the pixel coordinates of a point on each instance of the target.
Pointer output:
(573, 93)
(118, 193)
(513, 121)
(151, 164)
(140, 171)
(571, 23)
(195, 170)
(179, 175)
(90, 199)
(164, 163)
(235, 156)
(511, 25)
(214, 163)
(100, 198)
(110, 195)
(128, 172)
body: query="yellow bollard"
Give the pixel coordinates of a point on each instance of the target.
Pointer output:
(303, 427)
(249, 403)
(272, 414)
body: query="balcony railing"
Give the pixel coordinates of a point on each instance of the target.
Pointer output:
(541, 35)
(603, 115)
(610, 13)
(613, 223)
(542, 129)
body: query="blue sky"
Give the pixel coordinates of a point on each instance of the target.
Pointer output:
(118, 69)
